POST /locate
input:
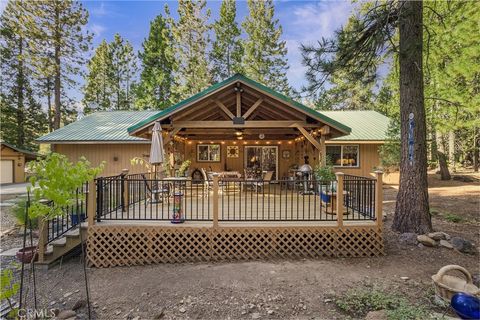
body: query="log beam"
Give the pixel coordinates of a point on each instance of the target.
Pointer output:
(252, 108)
(309, 137)
(247, 124)
(224, 109)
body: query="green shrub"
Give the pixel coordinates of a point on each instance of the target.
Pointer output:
(358, 303)
(18, 211)
(453, 218)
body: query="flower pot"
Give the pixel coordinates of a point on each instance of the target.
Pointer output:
(25, 255)
(74, 218)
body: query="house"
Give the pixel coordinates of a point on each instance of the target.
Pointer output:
(212, 140)
(249, 193)
(13, 161)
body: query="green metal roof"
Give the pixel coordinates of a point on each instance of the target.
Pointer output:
(99, 126)
(111, 126)
(248, 81)
(365, 125)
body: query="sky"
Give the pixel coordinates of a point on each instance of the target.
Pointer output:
(302, 22)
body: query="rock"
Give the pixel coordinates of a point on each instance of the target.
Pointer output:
(405, 278)
(476, 279)
(182, 310)
(136, 318)
(160, 314)
(408, 238)
(376, 315)
(445, 244)
(256, 315)
(439, 235)
(426, 240)
(68, 294)
(79, 304)
(327, 300)
(463, 245)
(270, 311)
(65, 314)
(53, 302)
(117, 313)
(420, 246)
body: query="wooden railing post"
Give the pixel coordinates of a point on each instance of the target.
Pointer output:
(124, 189)
(42, 238)
(379, 198)
(339, 203)
(215, 200)
(91, 203)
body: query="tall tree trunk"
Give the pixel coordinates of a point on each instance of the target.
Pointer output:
(476, 150)
(57, 80)
(20, 110)
(442, 161)
(49, 103)
(412, 210)
(451, 149)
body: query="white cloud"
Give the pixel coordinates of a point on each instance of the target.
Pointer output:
(3, 4)
(307, 23)
(97, 29)
(99, 11)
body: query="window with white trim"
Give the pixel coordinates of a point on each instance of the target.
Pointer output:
(208, 152)
(344, 155)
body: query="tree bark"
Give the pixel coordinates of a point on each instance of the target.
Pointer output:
(412, 210)
(442, 161)
(57, 79)
(476, 150)
(49, 103)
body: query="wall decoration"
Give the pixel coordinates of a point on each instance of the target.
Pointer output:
(286, 154)
(233, 152)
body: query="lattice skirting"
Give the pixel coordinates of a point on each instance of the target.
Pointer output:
(119, 245)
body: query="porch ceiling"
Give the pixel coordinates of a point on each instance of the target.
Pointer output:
(236, 104)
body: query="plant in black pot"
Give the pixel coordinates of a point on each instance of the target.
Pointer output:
(326, 180)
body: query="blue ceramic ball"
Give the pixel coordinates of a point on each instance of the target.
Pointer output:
(466, 306)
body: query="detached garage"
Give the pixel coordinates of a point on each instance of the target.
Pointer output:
(12, 169)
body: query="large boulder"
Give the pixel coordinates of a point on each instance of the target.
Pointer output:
(426, 240)
(463, 245)
(439, 236)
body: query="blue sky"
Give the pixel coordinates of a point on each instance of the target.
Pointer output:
(302, 22)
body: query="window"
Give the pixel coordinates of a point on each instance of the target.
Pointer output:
(343, 156)
(208, 152)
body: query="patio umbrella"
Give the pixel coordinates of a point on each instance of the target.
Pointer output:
(156, 149)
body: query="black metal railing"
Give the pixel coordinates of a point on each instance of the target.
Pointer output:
(359, 198)
(276, 200)
(142, 197)
(74, 215)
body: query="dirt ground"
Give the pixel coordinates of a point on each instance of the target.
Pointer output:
(276, 289)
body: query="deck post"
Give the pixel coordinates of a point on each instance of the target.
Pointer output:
(42, 238)
(124, 189)
(379, 198)
(339, 200)
(91, 203)
(215, 200)
(322, 151)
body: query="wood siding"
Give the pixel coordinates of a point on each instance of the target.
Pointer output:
(18, 159)
(118, 156)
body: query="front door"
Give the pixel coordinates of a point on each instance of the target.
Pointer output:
(262, 157)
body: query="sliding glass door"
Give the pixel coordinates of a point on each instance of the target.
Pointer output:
(264, 158)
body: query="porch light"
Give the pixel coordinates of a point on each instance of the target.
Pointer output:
(238, 133)
(240, 138)
(223, 142)
(211, 142)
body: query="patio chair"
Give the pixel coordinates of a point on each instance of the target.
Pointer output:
(267, 177)
(207, 182)
(157, 190)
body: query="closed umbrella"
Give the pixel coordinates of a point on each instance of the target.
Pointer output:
(156, 149)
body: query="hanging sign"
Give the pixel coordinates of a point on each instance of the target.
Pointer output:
(411, 127)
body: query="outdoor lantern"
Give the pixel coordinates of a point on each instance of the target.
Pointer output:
(177, 214)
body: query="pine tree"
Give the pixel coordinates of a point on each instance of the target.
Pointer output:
(227, 50)
(265, 53)
(124, 65)
(57, 42)
(191, 39)
(158, 64)
(22, 119)
(99, 85)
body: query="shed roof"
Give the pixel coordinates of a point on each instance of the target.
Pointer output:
(101, 126)
(28, 153)
(111, 127)
(366, 125)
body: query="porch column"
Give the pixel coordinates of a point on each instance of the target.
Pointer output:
(322, 151)
(91, 203)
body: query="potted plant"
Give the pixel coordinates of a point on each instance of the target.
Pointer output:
(183, 170)
(326, 180)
